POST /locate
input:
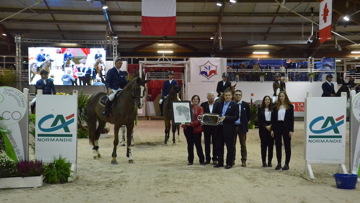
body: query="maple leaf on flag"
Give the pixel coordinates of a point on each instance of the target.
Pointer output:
(325, 13)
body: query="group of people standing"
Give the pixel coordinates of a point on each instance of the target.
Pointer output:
(275, 122)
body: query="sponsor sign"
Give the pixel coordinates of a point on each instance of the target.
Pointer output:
(325, 130)
(203, 75)
(299, 106)
(14, 111)
(56, 127)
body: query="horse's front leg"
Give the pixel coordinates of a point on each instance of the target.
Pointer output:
(173, 128)
(129, 130)
(167, 131)
(116, 142)
(123, 130)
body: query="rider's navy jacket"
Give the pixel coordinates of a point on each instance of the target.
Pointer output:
(116, 79)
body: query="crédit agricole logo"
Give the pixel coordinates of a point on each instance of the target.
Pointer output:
(55, 128)
(326, 130)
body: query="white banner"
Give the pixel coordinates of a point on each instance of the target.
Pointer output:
(325, 130)
(14, 111)
(355, 134)
(203, 75)
(56, 127)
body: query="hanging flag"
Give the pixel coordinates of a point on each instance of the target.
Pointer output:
(325, 20)
(158, 17)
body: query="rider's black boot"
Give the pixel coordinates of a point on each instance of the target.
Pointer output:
(107, 107)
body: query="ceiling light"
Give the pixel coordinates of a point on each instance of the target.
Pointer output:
(233, 1)
(261, 52)
(165, 44)
(219, 4)
(165, 52)
(355, 52)
(211, 37)
(346, 18)
(4, 34)
(105, 7)
(261, 45)
(338, 60)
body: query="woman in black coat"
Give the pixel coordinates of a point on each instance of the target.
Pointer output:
(267, 141)
(282, 119)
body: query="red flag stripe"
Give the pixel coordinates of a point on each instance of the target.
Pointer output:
(67, 118)
(340, 118)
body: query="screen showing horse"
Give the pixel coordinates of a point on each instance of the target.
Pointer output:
(68, 66)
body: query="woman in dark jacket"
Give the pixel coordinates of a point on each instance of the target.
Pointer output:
(267, 141)
(282, 119)
(193, 132)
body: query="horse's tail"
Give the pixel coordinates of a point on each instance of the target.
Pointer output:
(91, 118)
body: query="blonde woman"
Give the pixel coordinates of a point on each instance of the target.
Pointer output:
(282, 119)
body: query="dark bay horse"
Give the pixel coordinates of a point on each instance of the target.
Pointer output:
(167, 112)
(123, 112)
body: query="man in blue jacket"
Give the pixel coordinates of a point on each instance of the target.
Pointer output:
(115, 81)
(328, 87)
(166, 89)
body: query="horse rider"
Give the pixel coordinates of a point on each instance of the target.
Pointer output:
(115, 82)
(166, 89)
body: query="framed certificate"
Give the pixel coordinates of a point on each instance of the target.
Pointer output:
(182, 112)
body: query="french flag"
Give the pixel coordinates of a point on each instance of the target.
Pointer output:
(158, 17)
(325, 20)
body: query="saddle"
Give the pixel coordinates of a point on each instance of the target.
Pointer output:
(105, 98)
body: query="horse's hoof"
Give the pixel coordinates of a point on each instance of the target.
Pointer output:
(114, 162)
(131, 161)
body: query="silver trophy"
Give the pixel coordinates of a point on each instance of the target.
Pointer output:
(209, 119)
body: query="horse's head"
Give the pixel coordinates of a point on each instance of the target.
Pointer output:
(174, 89)
(139, 90)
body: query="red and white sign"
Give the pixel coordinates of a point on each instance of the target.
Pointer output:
(298, 106)
(325, 20)
(158, 17)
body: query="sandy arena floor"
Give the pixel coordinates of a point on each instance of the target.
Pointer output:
(160, 174)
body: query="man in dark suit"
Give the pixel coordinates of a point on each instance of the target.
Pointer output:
(228, 111)
(278, 85)
(115, 81)
(328, 87)
(166, 89)
(222, 85)
(241, 126)
(209, 131)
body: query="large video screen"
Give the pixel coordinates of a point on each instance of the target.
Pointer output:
(68, 66)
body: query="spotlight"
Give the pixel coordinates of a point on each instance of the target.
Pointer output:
(219, 4)
(105, 7)
(346, 18)
(233, 1)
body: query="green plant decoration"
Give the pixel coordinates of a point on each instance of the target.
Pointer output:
(253, 116)
(311, 74)
(58, 171)
(32, 129)
(8, 78)
(5, 144)
(7, 167)
(82, 114)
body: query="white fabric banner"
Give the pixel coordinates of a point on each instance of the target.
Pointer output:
(203, 75)
(158, 8)
(355, 134)
(325, 13)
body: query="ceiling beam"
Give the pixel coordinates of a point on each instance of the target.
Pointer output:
(138, 13)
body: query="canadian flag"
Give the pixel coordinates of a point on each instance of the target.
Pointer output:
(158, 17)
(325, 20)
